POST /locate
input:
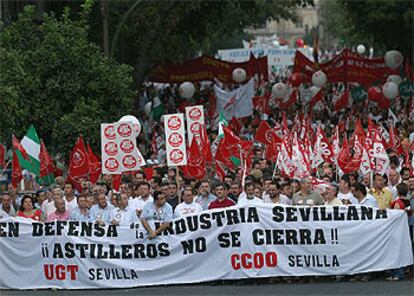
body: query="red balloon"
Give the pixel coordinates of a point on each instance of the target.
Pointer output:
(295, 79)
(374, 94)
(300, 43)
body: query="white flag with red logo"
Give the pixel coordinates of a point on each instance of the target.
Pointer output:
(175, 139)
(119, 149)
(195, 120)
(381, 157)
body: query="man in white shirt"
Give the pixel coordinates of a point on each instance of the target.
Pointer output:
(248, 197)
(363, 198)
(345, 195)
(50, 208)
(275, 196)
(100, 213)
(137, 203)
(123, 215)
(6, 206)
(393, 180)
(205, 197)
(188, 206)
(70, 197)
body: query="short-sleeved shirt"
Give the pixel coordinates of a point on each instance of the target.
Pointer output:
(152, 213)
(349, 196)
(76, 215)
(185, 209)
(205, 201)
(384, 197)
(124, 216)
(225, 203)
(11, 213)
(103, 215)
(313, 198)
(369, 201)
(283, 200)
(245, 200)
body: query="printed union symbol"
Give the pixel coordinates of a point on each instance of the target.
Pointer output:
(129, 162)
(111, 164)
(195, 114)
(78, 158)
(195, 128)
(109, 132)
(174, 122)
(176, 156)
(124, 130)
(268, 135)
(111, 148)
(127, 146)
(175, 140)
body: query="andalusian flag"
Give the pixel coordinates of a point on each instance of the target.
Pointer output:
(222, 122)
(31, 144)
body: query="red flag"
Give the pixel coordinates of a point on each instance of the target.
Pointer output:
(342, 102)
(318, 97)
(2, 155)
(94, 166)
(116, 181)
(46, 162)
(219, 170)
(205, 146)
(293, 98)
(231, 142)
(195, 167)
(16, 171)
(261, 103)
(79, 166)
(264, 133)
(346, 162)
(19, 147)
(235, 125)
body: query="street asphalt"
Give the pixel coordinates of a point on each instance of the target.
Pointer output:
(246, 287)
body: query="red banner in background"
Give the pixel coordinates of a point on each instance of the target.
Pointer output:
(347, 67)
(207, 68)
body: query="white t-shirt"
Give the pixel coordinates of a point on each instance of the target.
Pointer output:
(50, 207)
(283, 200)
(185, 209)
(125, 217)
(245, 200)
(349, 196)
(73, 203)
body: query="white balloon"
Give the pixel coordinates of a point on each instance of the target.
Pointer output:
(319, 78)
(393, 59)
(394, 78)
(279, 90)
(239, 75)
(135, 123)
(390, 90)
(361, 49)
(186, 90)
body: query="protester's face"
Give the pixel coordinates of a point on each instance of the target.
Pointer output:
(366, 180)
(220, 192)
(257, 192)
(165, 190)
(57, 193)
(172, 189)
(250, 190)
(306, 186)
(273, 191)
(329, 193)
(343, 186)
(68, 189)
(139, 178)
(60, 205)
(144, 190)
(394, 177)
(411, 183)
(113, 201)
(352, 179)
(123, 188)
(82, 202)
(204, 188)
(295, 187)
(124, 200)
(267, 184)
(227, 180)
(379, 181)
(28, 204)
(11, 189)
(161, 200)
(6, 201)
(90, 201)
(287, 190)
(102, 203)
(405, 175)
(97, 190)
(235, 189)
(188, 196)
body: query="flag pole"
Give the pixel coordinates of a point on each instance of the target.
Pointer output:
(177, 180)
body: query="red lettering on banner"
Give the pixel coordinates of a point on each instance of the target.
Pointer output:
(256, 260)
(59, 271)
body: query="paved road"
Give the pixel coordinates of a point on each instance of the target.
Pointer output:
(250, 288)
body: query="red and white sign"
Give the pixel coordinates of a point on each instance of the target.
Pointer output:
(119, 149)
(175, 139)
(195, 120)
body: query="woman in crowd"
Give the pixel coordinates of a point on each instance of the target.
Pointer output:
(27, 210)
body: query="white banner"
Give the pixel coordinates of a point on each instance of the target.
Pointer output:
(195, 120)
(175, 139)
(233, 243)
(119, 150)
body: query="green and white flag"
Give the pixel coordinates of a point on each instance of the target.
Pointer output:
(222, 121)
(31, 143)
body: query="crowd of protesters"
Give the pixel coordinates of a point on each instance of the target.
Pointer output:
(166, 194)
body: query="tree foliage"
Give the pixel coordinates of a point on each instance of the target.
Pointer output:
(384, 24)
(56, 79)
